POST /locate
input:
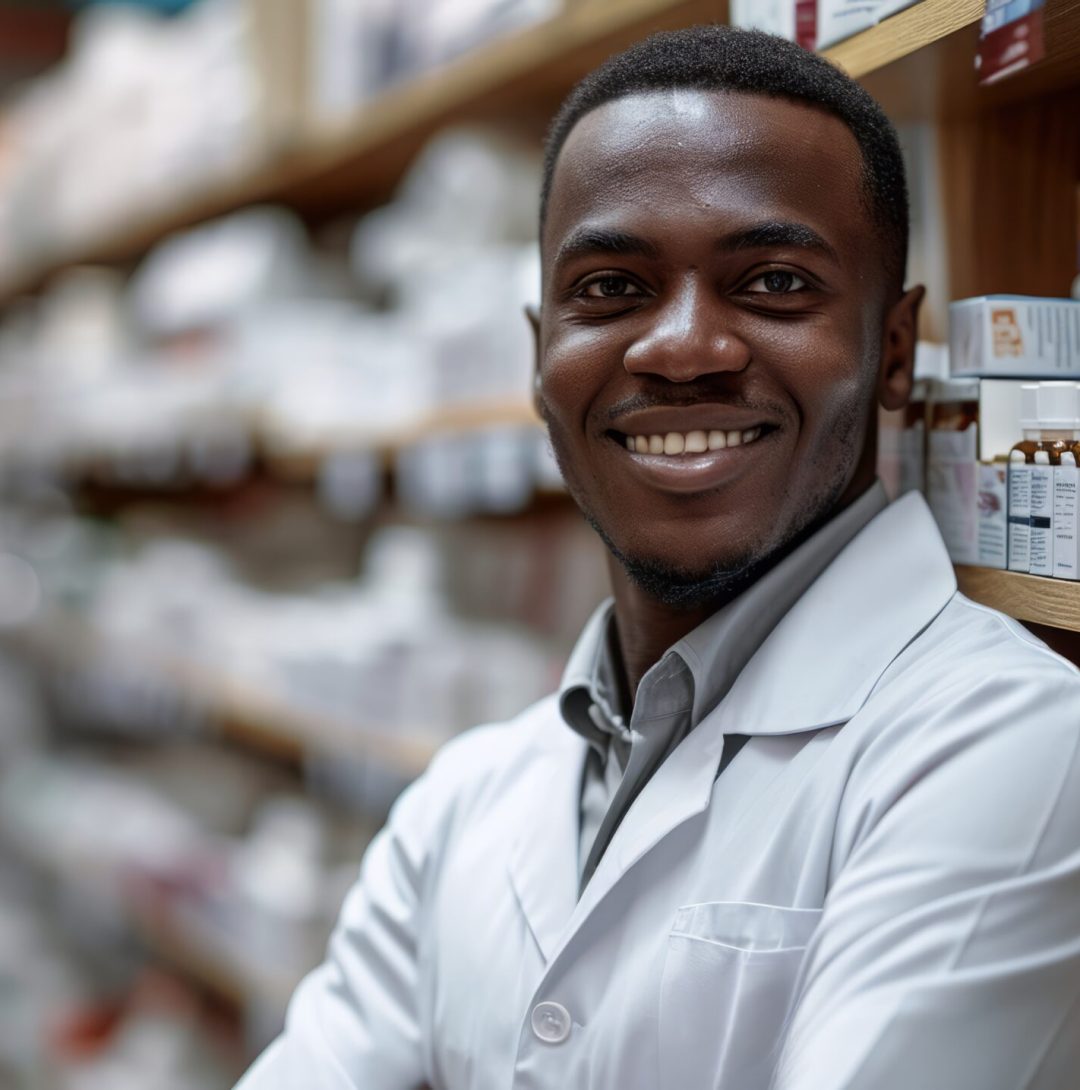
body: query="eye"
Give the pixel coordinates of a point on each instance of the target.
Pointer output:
(777, 282)
(610, 287)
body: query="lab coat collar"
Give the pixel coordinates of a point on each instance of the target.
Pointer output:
(821, 662)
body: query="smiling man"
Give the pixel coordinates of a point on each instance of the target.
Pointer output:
(800, 817)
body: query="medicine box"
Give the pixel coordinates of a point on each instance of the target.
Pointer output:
(1015, 336)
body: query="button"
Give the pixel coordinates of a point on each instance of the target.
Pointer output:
(551, 1022)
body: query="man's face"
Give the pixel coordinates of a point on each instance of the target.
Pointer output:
(710, 269)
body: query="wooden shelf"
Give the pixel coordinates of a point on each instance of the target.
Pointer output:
(913, 29)
(1033, 598)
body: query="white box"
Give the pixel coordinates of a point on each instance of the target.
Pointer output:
(992, 524)
(1042, 516)
(1066, 536)
(1015, 336)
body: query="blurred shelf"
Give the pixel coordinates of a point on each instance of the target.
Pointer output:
(173, 938)
(354, 165)
(242, 712)
(1034, 598)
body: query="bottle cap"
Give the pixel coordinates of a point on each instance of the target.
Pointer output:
(1029, 408)
(1058, 405)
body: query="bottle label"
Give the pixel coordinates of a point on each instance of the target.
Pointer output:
(1041, 548)
(1019, 517)
(1066, 558)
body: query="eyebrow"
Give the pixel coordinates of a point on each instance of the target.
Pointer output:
(589, 241)
(777, 233)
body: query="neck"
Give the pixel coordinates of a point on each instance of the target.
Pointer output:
(647, 627)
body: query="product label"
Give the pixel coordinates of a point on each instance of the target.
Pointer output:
(993, 522)
(1066, 480)
(1019, 517)
(950, 490)
(1042, 520)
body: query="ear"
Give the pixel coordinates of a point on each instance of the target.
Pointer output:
(899, 335)
(532, 315)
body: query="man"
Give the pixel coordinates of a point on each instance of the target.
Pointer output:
(801, 816)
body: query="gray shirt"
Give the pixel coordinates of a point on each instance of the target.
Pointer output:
(682, 688)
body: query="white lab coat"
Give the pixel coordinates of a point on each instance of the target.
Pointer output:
(882, 890)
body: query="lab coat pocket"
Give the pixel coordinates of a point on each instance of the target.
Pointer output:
(728, 984)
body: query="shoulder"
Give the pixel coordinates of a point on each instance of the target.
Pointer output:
(485, 762)
(976, 700)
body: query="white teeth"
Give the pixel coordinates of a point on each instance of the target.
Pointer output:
(692, 442)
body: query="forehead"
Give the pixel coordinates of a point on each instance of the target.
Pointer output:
(704, 160)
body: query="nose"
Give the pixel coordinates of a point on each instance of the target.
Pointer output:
(690, 336)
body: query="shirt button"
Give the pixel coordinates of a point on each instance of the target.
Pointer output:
(551, 1022)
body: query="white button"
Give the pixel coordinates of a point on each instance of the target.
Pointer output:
(551, 1022)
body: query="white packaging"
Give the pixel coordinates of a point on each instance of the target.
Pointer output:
(1015, 336)
(772, 16)
(951, 491)
(1042, 515)
(992, 529)
(1066, 556)
(1019, 513)
(839, 19)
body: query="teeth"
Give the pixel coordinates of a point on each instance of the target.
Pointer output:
(692, 442)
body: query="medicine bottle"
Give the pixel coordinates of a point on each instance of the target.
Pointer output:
(1021, 458)
(1057, 406)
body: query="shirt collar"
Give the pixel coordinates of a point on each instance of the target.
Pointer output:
(720, 647)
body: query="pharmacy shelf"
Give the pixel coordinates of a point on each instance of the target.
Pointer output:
(177, 939)
(354, 165)
(920, 60)
(1032, 598)
(241, 712)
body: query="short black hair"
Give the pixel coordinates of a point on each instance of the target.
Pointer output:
(724, 58)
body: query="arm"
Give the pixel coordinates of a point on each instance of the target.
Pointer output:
(948, 956)
(353, 1023)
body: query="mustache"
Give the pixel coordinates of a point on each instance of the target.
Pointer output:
(687, 396)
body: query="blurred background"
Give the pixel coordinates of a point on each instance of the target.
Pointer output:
(276, 515)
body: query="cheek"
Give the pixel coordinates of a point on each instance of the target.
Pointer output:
(572, 373)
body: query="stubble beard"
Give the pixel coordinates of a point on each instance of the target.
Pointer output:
(719, 581)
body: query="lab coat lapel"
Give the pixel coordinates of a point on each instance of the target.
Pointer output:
(679, 790)
(543, 860)
(819, 665)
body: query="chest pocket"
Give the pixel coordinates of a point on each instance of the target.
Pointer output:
(727, 987)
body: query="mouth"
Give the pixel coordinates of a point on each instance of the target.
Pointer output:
(674, 444)
(695, 461)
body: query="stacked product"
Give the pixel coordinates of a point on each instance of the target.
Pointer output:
(1004, 434)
